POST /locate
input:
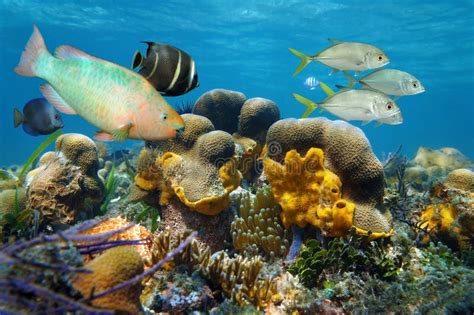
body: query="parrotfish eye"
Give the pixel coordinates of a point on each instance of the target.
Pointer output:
(164, 116)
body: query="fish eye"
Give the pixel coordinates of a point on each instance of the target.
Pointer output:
(56, 116)
(389, 106)
(380, 57)
(415, 85)
(164, 116)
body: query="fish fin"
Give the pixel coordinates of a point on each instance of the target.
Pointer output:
(121, 133)
(351, 79)
(341, 87)
(68, 52)
(137, 60)
(333, 72)
(378, 124)
(18, 117)
(365, 122)
(103, 136)
(29, 130)
(305, 60)
(396, 98)
(335, 41)
(54, 98)
(326, 89)
(311, 106)
(321, 110)
(357, 72)
(34, 50)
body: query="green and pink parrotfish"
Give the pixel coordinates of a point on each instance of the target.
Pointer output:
(120, 102)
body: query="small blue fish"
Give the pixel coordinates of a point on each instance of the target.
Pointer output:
(38, 118)
(311, 83)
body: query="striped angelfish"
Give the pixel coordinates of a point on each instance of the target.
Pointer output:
(170, 70)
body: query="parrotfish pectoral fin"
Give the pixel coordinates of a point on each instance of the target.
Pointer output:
(333, 72)
(137, 60)
(54, 98)
(305, 60)
(326, 89)
(335, 41)
(311, 106)
(68, 52)
(34, 50)
(351, 79)
(103, 136)
(121, 133)
(18, 118)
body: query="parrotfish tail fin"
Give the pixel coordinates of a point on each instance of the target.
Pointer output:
(18, 118)
(137, 60)
(326, 89)
(311, 106)
(305, 60)
(351, 79)
(35, 50)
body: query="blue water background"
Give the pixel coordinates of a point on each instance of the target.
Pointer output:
(243, 46)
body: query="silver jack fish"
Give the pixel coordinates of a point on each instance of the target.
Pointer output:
(388, 81)
(170, 70)
(363, 105)
(345, 56)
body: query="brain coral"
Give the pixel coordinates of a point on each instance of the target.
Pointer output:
(198, 167)
(222, 107)
(65, 186)
(347, 153)
(113, 267)
(461, 179)
(256, 116)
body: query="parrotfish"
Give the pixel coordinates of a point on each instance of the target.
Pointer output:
(115, 99)
(363, 105)
(345, 56)
(388, 81)
(38, 118)
(170, 70)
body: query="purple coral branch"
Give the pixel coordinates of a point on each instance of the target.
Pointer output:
(147, 273)
(68, 235)
(55, 297)
(98, 247)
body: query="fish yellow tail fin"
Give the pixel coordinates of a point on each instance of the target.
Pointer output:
(326, 89)
(305, 60)
(311, 106)
(18, 118)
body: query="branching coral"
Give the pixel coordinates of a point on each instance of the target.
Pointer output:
(240, 279)
(309, 193)
(258, 226)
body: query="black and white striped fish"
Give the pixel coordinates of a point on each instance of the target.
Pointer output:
(170, 70)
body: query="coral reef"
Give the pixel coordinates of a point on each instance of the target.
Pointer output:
(66, 187)
(308, 193)
(348, 154)
(114, 266)
(197, 167)
(222, 107)
(257, 226)
(430, 164)
(256, 116)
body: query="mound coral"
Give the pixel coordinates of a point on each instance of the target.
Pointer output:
(461, 178)
(65, 186)
(347, 154)
(258, 225)
(197, 167)
(256, 116)
(114, 266)
(222, 107)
